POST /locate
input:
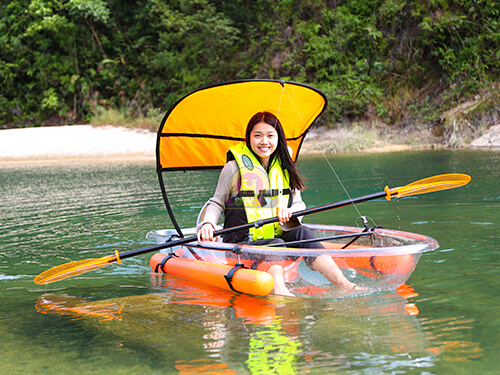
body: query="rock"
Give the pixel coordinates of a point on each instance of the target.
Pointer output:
(490, 139)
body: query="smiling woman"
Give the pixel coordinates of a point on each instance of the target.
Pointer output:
(263, 141)
(261, 181)
(261, 165)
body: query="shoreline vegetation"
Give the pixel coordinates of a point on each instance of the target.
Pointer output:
(397, 72)
(421, 128)
(460, 126)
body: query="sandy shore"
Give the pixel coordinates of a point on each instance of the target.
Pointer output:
(68, 143)
(85, 142)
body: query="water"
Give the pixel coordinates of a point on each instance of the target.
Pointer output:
(125, 320)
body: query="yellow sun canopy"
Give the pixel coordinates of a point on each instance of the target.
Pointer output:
(197, 132)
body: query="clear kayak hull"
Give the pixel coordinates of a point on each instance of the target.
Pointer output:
(380, 260)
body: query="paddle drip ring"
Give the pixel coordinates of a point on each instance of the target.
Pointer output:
(117, 254)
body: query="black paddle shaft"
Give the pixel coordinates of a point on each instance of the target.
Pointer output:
(255, 224)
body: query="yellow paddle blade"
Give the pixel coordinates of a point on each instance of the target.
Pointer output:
(73, 269)
(430, 184)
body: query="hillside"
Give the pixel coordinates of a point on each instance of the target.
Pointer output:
(396, 66)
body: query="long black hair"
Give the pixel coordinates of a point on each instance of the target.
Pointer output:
(281, 151)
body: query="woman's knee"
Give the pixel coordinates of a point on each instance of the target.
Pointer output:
(303, 233)
(276, 269)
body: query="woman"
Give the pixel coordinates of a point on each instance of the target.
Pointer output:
(260, 181)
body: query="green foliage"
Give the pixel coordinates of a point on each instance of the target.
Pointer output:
(68, 61)
(89, 9)
(194, 42)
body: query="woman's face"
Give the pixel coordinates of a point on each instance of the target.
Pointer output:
(263, 140)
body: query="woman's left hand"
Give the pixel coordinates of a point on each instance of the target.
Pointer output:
(284, 214)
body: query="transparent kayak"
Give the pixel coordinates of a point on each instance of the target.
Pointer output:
(375, 259)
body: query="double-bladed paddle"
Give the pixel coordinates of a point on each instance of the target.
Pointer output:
(426, 185)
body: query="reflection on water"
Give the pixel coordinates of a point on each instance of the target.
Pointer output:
(270, 335)
(77, 308)
(442, 338)
(124, 320)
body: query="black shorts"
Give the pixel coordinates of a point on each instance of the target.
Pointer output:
(295, 234)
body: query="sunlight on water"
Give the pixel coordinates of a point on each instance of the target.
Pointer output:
(126, 320)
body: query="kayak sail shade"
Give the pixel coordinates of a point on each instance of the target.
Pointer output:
(197, 132)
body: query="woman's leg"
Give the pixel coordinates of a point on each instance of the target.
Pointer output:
(278, 274)
(276, 271)
(301, 233)
(323, 264)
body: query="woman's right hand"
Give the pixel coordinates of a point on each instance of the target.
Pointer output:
(206, 233)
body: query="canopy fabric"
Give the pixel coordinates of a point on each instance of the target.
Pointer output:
(197, 132)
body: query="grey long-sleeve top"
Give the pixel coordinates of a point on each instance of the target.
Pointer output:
(228, 187)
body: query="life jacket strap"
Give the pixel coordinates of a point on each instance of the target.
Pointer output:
(265, 193)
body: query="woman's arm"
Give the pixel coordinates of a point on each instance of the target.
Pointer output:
(284, 215)
(297, 202)
(215, 207)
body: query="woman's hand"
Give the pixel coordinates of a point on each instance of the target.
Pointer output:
(206, 233)
(284, 214)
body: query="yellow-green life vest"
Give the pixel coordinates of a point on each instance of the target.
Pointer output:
(261, 193)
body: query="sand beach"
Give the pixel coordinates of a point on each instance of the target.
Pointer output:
(75, 143)
(87, 142)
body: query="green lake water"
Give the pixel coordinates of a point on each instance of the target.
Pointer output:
(126, 320)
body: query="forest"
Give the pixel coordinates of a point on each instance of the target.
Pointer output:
(393, 62)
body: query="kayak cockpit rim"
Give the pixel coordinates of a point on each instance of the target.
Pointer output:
(390, 242)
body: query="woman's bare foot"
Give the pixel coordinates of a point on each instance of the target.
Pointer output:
(280, 288)
(358, 288)
(325, 265)
(283, 292)
(355, 290)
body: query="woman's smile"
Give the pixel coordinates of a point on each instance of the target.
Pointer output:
(263, 141)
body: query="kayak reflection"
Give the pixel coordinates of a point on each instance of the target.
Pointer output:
(195, 325)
